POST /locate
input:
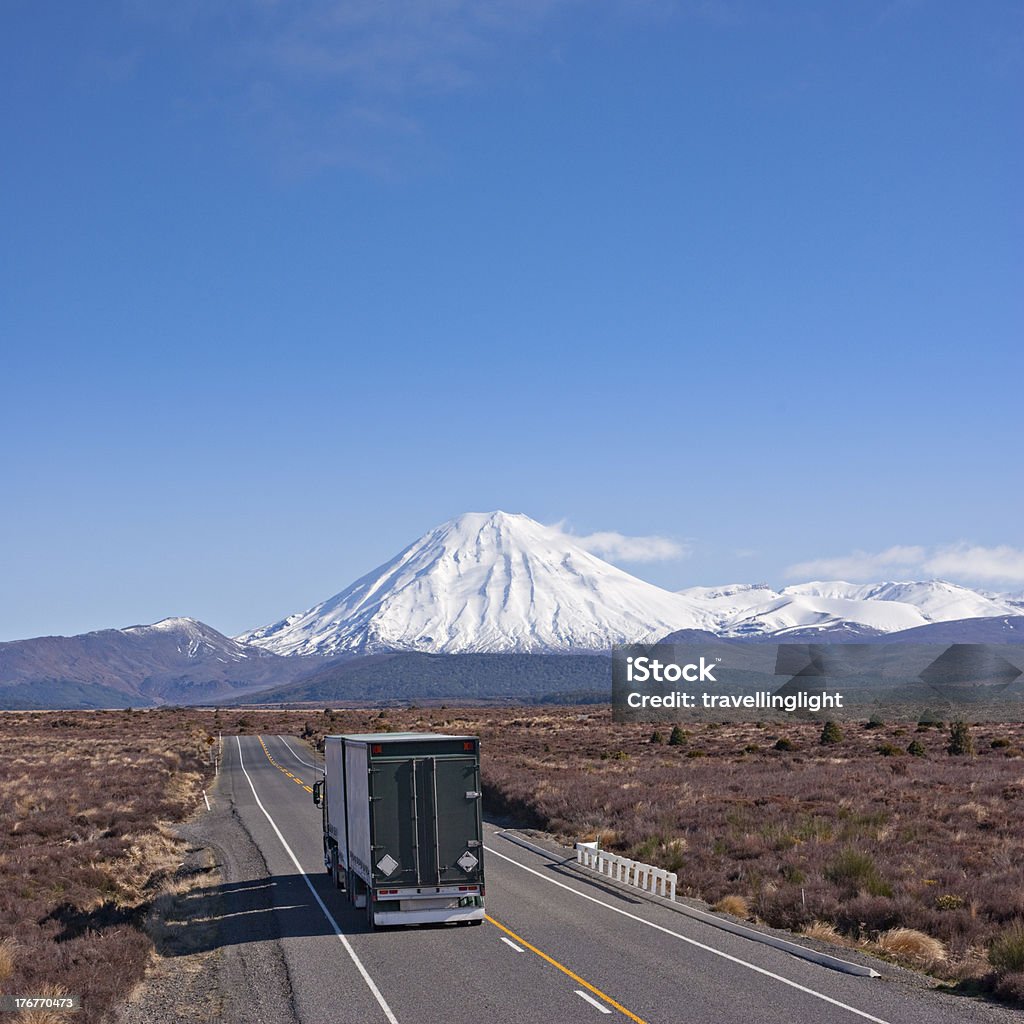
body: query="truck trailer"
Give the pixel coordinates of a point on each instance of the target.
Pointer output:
(403, 835)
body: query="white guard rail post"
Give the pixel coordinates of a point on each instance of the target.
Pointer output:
(631, 872)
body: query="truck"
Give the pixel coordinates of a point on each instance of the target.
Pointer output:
(402, 827)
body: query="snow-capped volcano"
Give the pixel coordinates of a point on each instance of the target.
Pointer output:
(494, 582)
(486, 582)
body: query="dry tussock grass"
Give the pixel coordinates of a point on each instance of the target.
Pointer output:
(824, 932)
(7, 951)
(44, 1016)
(911, 945)
(734, 904)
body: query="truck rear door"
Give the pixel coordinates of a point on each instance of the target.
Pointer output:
(426, 822)
(450, 850)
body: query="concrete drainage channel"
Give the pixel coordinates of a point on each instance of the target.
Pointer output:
(619, 871)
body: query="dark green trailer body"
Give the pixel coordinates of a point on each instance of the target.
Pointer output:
(402, 826)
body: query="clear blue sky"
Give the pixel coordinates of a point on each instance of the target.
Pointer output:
(285, 285)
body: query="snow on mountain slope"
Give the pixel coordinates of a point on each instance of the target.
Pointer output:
(725, 603)
(192, 638)
(936, 600)
(486, 582)
(789, 612)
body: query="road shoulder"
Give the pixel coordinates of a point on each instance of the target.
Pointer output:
(199, 970)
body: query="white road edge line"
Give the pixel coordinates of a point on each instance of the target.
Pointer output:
(299, 759)
(591, 1000)
(207, 799)
(330, 918)
(692, 942)
(509, 942)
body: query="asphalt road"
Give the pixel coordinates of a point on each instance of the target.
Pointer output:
(556, 947)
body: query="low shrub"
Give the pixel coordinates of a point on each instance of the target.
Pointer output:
(678, 737)
(1006, 953)
(831, 733)
(961, 742)
(856, 871)
(1010, 988)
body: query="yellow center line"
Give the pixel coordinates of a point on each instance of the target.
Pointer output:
(282, 769)
(565, 970)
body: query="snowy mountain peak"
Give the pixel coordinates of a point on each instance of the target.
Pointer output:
(190, 637)
(498, 581)
(486, 581)
(173, 624)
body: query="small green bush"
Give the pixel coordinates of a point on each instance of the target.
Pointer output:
(784, 744)
(874, 722)
(916, 748)
(656, 737)
(889, 750)
(831, 733)
(678, 737)
(961, 742)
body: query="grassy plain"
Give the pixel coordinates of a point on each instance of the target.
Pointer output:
(917, 856)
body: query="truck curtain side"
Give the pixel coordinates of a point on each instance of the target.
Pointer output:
(402, 829)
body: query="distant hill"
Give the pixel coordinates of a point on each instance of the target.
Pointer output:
(178, 661)
(1000, 629)
(414, 675)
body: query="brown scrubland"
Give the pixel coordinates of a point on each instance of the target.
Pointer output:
(880, 838)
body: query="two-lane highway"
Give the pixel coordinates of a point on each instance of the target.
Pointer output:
(556, 946)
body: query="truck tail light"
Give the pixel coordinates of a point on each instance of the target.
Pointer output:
(376, 748)
(467, 888)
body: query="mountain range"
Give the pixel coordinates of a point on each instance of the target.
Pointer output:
(496, 586)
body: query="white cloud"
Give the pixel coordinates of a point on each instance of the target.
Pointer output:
(617, 547)
(859, 565)
(961, 561)
(972, 561)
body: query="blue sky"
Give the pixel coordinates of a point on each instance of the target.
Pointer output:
(286, 284)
